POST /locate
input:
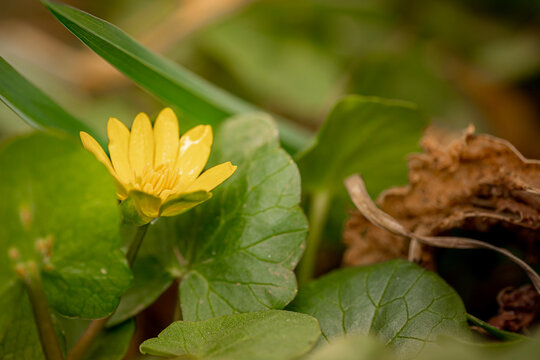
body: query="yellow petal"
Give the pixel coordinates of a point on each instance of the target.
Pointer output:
(141, 144)
(213, 177)
(92, 145)
(183, 202)
(121, 191)
(193, 153)
(166, 137)
(147, 204)
(118, 149)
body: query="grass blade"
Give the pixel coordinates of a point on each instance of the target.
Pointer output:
(198, 100)
(34, 106)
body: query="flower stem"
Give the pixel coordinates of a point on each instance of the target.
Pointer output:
(96, 326)
(318, 213)
(135, 245)
(47, 335)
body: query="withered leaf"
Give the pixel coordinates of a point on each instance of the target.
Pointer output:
(469, 179)
(357, 190)
(518, 308)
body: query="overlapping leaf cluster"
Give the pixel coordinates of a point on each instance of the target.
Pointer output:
(234, 256)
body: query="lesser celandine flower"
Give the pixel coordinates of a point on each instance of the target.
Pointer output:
(157, 170)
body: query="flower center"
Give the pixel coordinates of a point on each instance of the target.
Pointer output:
(157, 181)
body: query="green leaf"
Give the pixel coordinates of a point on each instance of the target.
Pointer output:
(152, 271)
(353, 347)
(59, 209)
(265, 335)
(200, 101)
(18, 333)
(402, 304)
(236, 252)
(33, 106)
(365, 135)
(241, 246)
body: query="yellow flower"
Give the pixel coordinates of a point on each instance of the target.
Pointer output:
(159, 171)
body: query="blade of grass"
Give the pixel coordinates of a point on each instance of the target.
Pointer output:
(199, 100)
(34, 106)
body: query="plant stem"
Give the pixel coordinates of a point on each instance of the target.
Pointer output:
(87, 338)
(96, 326)
(496, 332)
(42, 317)
(318, 214)
(136, 244)
(177, 315)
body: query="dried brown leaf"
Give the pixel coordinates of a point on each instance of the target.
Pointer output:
(360, 197)
(460, 181)
(518, 308)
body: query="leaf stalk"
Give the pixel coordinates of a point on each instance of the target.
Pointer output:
(96, 326)
(318, 214)
(42, 316)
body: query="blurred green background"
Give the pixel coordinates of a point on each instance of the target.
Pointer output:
(461, 61)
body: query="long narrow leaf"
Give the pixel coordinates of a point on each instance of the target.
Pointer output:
(34, 106)
(196, 98)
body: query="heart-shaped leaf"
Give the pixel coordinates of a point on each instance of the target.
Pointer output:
(402, 304)
(237, 251)
(241, 247)
(59, 210)
(366, 135)
(264, 335)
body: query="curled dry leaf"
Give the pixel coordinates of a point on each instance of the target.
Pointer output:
(518, 308)
(472, 181)
(360, 197)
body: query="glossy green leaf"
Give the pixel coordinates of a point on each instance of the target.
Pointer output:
(265, 335)
(200, 101)
(242, 245)
(365, 135)
(59, 209)
(402, 304)
(236, 252)
(34, 106)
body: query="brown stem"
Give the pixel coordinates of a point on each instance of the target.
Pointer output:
(87, 338)
(42, 316)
